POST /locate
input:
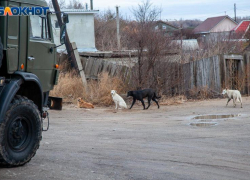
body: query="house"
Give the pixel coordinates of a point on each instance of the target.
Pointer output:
(164, 26)
(80, 29)
(242, 28)
(215, 25)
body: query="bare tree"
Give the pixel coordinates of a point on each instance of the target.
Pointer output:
(75, 4)
(105, 28)
(145, 13)
(61, 3)
(148, 42)
(186, 23)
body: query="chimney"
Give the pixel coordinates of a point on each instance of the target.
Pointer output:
(91, 4)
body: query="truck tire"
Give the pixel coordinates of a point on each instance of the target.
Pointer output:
(20, 132)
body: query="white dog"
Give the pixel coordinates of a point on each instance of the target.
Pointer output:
(118, 100)
(233, 94)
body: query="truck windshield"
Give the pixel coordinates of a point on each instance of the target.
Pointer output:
(39, 27)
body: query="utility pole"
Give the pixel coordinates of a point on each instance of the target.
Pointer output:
(118, 28)
(235, 12)
(71, 56)
(91, 4)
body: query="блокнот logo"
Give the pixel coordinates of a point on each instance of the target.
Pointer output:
(25, 11)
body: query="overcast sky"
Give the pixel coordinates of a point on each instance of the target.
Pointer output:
(177, 9)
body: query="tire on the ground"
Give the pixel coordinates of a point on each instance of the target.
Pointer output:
(20, 132)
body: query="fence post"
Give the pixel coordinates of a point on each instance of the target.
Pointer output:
(79, 64)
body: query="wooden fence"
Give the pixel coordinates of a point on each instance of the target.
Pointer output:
(212, 73)
(203, 73)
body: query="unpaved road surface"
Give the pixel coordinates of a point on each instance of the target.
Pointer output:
(138, 144)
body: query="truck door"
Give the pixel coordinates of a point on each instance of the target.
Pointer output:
(12, 41)
(41, 57)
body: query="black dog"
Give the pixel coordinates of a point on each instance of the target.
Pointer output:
(139, 95)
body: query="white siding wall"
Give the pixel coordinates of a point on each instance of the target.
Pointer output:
(80, 30)
(225, 25)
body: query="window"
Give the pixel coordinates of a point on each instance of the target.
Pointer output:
(156, 27)
(164, 27)
(39, 27)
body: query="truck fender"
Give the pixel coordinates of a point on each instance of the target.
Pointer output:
(37, 96)
(7, 94)
(13, 88)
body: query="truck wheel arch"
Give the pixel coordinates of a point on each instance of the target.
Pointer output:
(31, 88)
(24, 84)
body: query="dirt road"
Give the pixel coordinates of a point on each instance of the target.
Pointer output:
(138, 144)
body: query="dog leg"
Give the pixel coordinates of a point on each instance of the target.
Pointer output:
(228, 101)
(234, 102)
(240, 101)
(116, 107)
(149, 99)
(132, 103)
(156, 102)
(143, 104)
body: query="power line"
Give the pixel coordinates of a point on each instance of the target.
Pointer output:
(243, 10)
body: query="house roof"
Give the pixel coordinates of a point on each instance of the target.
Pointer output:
(242, 27)
(209, 24)
(77, 11)
(160, 21)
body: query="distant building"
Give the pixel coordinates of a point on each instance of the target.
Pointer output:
(80, 29)
(187, 44)
(166, 27)
(220, 24)
(242, 28)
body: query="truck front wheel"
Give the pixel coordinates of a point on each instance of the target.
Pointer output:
(20, 132)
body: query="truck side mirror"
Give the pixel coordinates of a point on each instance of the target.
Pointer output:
(65, 18)
(62, 34)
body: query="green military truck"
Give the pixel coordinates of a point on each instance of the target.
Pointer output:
(28, 71)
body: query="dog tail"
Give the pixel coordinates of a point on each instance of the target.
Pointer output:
(157, 97)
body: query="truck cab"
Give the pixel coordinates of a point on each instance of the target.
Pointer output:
(28, 71)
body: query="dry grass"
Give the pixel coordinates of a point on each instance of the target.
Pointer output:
(70, 87)
(200, 93)
(99, 91)
(203, 93)
(172, 100)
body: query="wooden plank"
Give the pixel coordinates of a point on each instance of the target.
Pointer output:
(79, 64)
(218, 74)
(233, 56)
